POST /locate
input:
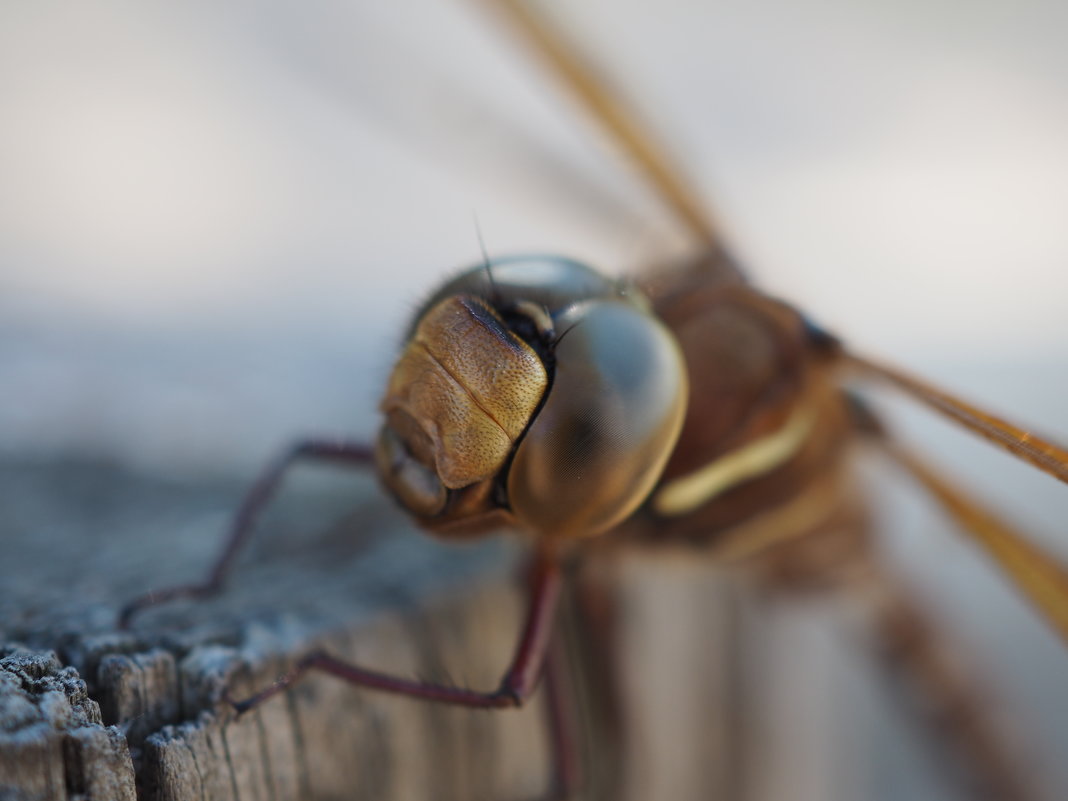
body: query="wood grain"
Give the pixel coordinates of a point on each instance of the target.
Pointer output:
(85, 709)
(720, 691)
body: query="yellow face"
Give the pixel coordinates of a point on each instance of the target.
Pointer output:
(459, 397)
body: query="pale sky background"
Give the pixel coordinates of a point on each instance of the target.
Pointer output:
(214, 218)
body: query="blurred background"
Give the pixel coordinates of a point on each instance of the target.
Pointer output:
(215, 218)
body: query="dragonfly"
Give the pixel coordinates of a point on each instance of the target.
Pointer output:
(1035, 572)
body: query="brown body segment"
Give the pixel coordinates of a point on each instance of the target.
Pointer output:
(756, 378)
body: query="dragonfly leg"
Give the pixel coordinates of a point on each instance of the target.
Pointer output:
(563, 740)
(516, 686)
(952, 699)
(355, 454)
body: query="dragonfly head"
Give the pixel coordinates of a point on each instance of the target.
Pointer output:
(532, 393)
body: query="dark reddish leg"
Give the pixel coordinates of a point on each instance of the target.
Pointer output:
(350, 453)
(559, 699)
(516, 686)
(951, 698)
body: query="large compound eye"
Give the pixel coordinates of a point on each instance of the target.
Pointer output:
(614, 411)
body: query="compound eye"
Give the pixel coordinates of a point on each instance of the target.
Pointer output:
(614, 411)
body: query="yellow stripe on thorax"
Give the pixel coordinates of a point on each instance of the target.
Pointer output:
(792, 520)
(686, 493)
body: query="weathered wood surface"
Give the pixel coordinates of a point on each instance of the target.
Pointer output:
(80, 539)
(54, 743)
(724, 694)
(89, 712)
